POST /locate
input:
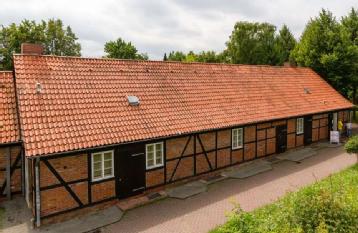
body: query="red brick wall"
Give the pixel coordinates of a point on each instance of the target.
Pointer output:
(103, 190)
(70, 168)
(16, 176)
(154, 177)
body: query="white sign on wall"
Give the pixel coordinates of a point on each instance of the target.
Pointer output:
(334, 137)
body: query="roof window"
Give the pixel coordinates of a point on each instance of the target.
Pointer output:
(133, 100)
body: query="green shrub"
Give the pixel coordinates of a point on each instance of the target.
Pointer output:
(328, 206)
(352, 145)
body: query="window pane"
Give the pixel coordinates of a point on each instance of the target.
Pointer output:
(107, 155)
(150, 148)
(150, 155)
(108, 172)
(97, 157)
(108, 164)
(158, 160)
(234, 144)
(97, 174)
(150, 162)
(97, 166)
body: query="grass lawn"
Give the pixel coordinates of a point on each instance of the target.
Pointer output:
(330, 205)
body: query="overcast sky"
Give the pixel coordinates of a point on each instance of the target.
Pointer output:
(159, 26)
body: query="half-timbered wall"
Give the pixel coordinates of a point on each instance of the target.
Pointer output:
(66, 184)
(197, 154)
(15, 171)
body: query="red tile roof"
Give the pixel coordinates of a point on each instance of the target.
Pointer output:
(84, 104)
(9, 131)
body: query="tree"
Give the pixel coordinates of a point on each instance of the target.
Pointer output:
(51, 34)
(176, 56)
(350, 27)
(252, 43)
(123, 50)
(208, 57)
(284, 44)
(60, 41)
(326, 48)
(165, 58)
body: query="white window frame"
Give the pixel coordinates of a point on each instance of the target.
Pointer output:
(102, 158)
(239, 143)
(300, 125)
(155, 155)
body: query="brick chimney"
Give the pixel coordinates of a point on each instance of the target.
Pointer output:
(29, 48)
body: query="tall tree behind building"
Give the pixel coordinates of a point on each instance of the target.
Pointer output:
(328, 48)
(123, 50)
(56, 39)
(284, 44)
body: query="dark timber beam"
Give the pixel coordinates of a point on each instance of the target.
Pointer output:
(64, 184)
(8, 172)
(181, 156)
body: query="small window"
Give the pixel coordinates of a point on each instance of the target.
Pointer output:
(237, 138)
(102, 165)
(299, 126)
(154, 155)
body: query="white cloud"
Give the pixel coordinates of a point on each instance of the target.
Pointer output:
(159, 26)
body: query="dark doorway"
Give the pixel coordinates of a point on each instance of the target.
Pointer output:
(131, 170)
(330, 122)
(281, 138)
(308, 130)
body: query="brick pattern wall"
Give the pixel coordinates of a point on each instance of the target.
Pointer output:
(259, 141)
(54, 196)
(212, 148)
(16, 175)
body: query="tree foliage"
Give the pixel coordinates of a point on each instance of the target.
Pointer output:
(259, 43)
(352, 145)
(252, 43)
(284, 44)
(56, 39)
(123, 50)
(203, 56)
(328, 47)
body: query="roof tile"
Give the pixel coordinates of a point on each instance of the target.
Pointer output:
(8, 114)
(84, 101)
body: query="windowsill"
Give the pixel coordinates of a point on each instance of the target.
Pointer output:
(102, 179)
(299, 133)
(237, 148)
(154, 167)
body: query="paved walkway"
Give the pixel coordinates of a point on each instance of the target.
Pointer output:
(205, 211)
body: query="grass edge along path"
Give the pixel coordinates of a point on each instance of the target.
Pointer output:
(329, 205)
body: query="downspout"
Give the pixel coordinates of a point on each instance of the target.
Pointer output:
(37, 193)
(20, 133)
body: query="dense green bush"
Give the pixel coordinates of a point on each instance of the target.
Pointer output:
(327, 206)
(352, 145)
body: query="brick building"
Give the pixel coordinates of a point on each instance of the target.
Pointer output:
(95, 131)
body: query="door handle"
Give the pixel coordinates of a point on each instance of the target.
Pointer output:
(137, 189)
(137, 154)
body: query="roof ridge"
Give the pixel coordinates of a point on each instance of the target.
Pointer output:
(158, 61)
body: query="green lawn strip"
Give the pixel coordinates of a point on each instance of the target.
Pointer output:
(330, 205)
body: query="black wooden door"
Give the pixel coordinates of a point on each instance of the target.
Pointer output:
(330, 122)
(308, 130)
(281, 138)
(131, 170)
